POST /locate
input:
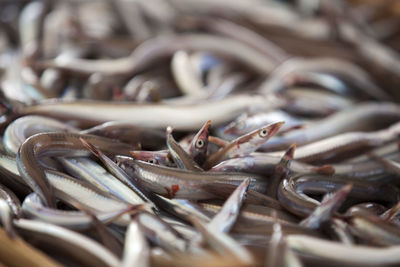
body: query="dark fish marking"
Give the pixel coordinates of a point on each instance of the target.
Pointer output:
(171, 192)
(325, 169)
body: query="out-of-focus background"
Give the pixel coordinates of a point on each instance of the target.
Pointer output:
(50, 33)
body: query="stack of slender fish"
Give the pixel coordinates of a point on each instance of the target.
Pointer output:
(199, 133)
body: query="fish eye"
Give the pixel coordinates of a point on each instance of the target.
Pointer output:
(152, 161)
(200, 143)
(263, 133)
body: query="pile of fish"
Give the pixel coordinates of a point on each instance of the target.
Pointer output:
(199, 133)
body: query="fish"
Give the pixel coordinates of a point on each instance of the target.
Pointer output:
(181, 158)
(80, 248)
(55, 144)
(180, 183)
(244, 145)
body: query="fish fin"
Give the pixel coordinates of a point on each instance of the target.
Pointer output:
(281, 171)
(91, 148)
(288, 156)
(329, 205)
(391, 213)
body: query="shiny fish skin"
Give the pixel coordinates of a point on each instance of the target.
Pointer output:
(265, 164)
(256, 213)
(223, 243)
(6, 215)
(329, 204)
(362, 255)
(93, 173)
(183, 183)
(229, 212)
(181, 158)
(12, 200)
(163, 46)
(358, 75)
(373, 230)
(81, 192)
(129, 133)
(355, 118)
(292, 196)
(199, 145)
(155, 201)
(154, 157)
(9, 170)
(161, 233)
(78, 246)
(218, 133)
(32, 207)
(181, 117)
(188, 81)
(250, 122)
(330, 147)
(244, 144)
(136, 250)
(46, 144)
(20, 129)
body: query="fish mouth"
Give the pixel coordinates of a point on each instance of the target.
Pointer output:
(206, 128)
